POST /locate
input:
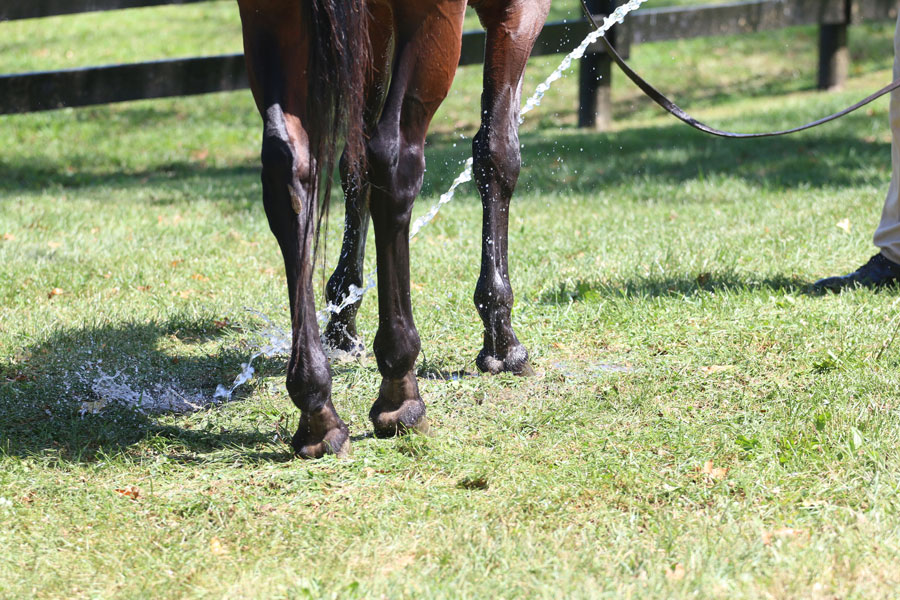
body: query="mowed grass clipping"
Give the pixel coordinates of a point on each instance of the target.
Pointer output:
(700, 424)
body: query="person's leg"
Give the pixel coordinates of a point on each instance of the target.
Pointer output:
(883, 268)
(887, 236)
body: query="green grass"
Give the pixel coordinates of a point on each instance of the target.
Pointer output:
(661, 282)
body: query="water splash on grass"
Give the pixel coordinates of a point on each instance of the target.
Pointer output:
(355, 293)
(105, 390)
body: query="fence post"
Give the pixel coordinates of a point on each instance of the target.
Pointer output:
(595, 79)
(834, 55)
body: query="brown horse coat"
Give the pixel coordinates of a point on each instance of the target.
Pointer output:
(375, 71)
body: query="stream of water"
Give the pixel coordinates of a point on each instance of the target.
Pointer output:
(277, 340)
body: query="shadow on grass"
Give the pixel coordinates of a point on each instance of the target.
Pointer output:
(832, 157)
(46, 385)
(594, 290)
(37, 175)
(587, 162)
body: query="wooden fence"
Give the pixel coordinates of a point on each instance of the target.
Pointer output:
(29, 92)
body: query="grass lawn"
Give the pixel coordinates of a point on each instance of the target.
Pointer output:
(700, 425)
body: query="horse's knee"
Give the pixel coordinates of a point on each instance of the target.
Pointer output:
(383, 156)
(397, 170)
(497, 159)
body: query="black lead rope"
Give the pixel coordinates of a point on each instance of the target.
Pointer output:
(678, 113)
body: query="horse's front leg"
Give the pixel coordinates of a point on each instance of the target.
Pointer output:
(289, 196)
(423, 71)
(511, 32)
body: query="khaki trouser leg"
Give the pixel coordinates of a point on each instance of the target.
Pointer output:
(887, 236)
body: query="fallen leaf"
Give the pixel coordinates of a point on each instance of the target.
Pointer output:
(217, 547)
(784, 532)
(130, 491)
(844, 224)
(8, 237)
(175, 262)
(222, 324)
(55, 292)
(202, 154)
(716, 368)
(713, 471)
(54, 245)
(675, 573)
(199, 277)
(143, 288)
(185, 294)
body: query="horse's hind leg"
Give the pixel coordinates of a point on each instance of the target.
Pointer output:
(273, 60)
(340, 333)
(426, 59)
(341, 330)
(511, 29)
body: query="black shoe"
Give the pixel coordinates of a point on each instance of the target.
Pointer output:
(878, 272)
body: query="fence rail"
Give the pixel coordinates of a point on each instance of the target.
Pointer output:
(29, 92)
(37, 9)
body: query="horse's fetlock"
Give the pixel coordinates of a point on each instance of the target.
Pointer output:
(396, 348)
(310, 387)
(339, 282)
(489, 294)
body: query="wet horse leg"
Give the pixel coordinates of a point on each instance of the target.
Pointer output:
(274, 57)
(340, 332)
(512, 28)
(425, 62)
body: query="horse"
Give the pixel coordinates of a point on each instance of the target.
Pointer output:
(369, 75)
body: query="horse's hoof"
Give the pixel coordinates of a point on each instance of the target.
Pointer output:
(409, 418)
(319, 436)
(399, 408)
(515, 362)
(335, 442)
